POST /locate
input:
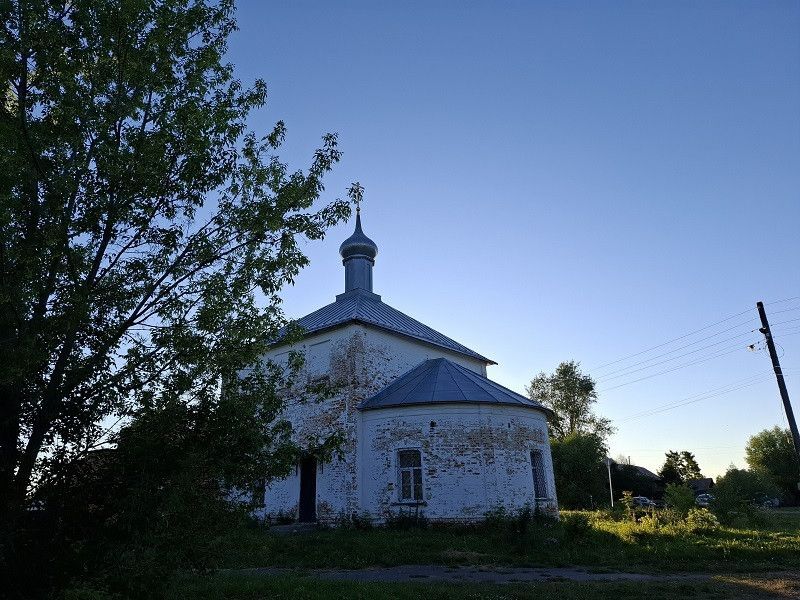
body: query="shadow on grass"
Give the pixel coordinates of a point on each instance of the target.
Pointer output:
(294, 586)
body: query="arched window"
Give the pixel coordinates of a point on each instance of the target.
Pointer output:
(539, 479)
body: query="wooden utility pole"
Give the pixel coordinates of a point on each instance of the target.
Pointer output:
(776, 365)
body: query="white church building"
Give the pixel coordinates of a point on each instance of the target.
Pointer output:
(425, 431)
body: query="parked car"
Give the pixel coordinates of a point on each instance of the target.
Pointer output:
(642, 502)
(704, 499)
(767, 502)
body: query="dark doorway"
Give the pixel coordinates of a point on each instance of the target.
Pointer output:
(308, 489)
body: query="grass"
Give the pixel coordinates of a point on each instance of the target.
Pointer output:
(605, 544)
(743, 562)
(297, 586)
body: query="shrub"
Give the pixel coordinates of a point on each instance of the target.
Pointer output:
(701, 520)
(406, 520)
(576, 525)
(679, 497)
(738, 492)
(650, 523)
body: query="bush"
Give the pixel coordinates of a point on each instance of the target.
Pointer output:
(700, 520)
(576, 525)
(679, 497)
(406, 520)
(362, 521)
(738, 493)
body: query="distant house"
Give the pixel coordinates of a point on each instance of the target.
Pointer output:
(701, 486)
(638, 480)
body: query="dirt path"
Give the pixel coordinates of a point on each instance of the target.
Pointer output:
(488, 574)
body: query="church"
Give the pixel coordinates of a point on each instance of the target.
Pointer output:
(425, 431)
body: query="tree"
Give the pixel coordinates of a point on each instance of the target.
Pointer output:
(739, 491)
(771, 453)
(579, 471)
(570, 394)
(680, 497)
(141, 225)
(680, 467)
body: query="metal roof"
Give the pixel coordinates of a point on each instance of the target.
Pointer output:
(365, 307)
(440, 381)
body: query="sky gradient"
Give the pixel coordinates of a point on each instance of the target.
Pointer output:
(556, 181)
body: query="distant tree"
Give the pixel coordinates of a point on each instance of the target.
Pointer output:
(570, 394)
(771, 453)
(680, 467)
(579, 472)
(738, 492)
(679, 497)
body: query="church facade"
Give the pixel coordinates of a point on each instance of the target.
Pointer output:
(424, 430)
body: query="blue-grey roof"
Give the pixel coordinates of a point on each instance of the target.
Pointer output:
(361, 306)
(440, 381)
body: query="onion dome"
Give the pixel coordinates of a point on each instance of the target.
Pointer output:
(358, 244)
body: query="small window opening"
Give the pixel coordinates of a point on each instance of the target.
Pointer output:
(409, 469)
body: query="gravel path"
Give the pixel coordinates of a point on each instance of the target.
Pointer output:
(488, 574)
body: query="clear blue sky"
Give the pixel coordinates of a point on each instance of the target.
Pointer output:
(554, 181)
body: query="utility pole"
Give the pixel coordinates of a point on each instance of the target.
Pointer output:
(776, 365)
(610, 488)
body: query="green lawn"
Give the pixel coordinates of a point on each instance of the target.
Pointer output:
(249, 587)
(609, 544)
(733, 556)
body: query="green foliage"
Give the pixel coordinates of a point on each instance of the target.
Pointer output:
(579, 472)
(576, 525)
(140, 220)
(679, 497)
(146, 233)
(627, 501)
(570, 394)
(700, 520)
(607, 544)
(771, 452)
(738, 492)
(680, 467)
(406, 519)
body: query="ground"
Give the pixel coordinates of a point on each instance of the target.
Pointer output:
(587, 555)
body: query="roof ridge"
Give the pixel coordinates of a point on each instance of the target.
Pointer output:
(417, 377)
(447, 364)
(481, 381)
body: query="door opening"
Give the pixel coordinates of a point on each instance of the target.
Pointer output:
(308, 489)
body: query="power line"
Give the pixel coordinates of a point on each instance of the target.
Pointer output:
(627, 370)
(689, 364)
(707, 395)
(777, 312)
(681, 337)
(782, 301)
(788, 321)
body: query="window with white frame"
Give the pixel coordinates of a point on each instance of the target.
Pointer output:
(409, 475)
(539, 480)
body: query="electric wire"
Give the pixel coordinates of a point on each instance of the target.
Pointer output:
(684, 336)
(628, 370)
(681, 337)
(708, 394)
(689, 364)
(785, 310)
(782, 301)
